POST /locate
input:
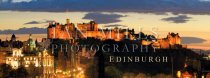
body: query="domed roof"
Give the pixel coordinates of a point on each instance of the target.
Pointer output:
(30, 40)
(13, 36)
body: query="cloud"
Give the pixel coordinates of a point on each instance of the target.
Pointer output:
(33, 30)
(143, 6)
(191, 40)
(115, 25)
(103, 18)
(205, 0)
(33, 22)
(14, 1)
(177, 19)
(39, 22)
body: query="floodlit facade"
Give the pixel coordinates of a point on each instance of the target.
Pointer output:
(40, 63)
(171, 41)
(84, 30)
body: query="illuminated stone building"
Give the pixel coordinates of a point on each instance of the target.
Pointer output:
(14, 59)
(6, 47)
(59, 31)
(84, 30)
(36, 64)
(47, 63)
(171, 41)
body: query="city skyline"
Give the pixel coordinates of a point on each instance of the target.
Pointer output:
(105, 38)
(187, 17)
(190, 28)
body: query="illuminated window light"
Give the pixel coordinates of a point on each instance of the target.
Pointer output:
(36, 64)
(26, 65)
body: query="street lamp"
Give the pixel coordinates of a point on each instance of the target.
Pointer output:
(79, 68)
(203, 76)
(195, 75)
(178, 74)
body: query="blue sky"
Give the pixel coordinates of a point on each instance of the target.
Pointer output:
(144, 6)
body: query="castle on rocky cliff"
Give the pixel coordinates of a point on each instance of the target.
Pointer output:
(91, 29)
(171, 41)
(84, 30)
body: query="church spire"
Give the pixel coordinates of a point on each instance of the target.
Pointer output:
(13, 38)
(30, 36)
(67, 21)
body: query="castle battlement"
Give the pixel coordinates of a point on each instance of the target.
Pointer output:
(91, 29)
(172, 40)
(82, 30)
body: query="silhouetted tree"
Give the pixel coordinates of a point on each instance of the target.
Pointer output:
(112, 72)
(5, 70)
(21, 72)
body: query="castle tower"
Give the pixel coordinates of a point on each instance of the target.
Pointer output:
(31, 43)
(178, 39)
(171, 38)
(51, 31)
(174, 39)
(58, 31)
(93, 26)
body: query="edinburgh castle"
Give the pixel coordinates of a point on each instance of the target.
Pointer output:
(91, 29)
(83, 30)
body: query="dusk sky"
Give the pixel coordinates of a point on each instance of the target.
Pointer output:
(190, 18)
